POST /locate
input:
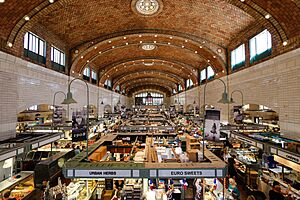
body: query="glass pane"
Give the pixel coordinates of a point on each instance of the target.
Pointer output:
(26, 40)
(86, 72)
(252, 48)
(210, 72)
(41, 49)
(203, 75)
(30, 42)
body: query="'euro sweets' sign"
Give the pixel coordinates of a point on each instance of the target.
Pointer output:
(187, 173)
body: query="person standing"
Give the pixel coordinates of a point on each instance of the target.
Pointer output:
(232, 188)
(275, 192)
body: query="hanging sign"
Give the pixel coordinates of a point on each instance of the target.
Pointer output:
(103, 173)
(187, 173)
(288, 156)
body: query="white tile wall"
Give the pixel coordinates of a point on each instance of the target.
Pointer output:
(274, 83)
(23, 84)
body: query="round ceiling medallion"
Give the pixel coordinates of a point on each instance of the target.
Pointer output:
(148, 47)
(146, 7)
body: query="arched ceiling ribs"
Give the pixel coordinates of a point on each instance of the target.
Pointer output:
(148, 80)
(133, 62)
(142, 65)
(169, 43)
(148, 74)
(259, 13)
(147, 90)
(163, 88)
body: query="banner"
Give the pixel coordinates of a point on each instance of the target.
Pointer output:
(238, 114)
(212, 125)
(79, 132)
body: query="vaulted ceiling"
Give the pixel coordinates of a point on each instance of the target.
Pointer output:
(157, 51)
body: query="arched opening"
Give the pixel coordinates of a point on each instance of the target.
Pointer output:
(107, 109)
(41, 114)
(256, 114)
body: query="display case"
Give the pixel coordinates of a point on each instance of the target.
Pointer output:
(246, 165)
(21, 186)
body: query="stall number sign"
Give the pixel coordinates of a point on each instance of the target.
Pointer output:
(186, 173)
(289, 156)
(102, 173)
(245, 140)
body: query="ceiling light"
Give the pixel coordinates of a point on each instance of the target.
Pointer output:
(203, 42)
(223, 71)
(200, 47)
(27, 18)
(81, 57)
(95, 47)
(73, 72)
(76, 51)
(109, 41)
(141, 42)
(285, 43)
(9, 44)
(196, 51)
(126, 43)
(2, 1)
(219, 50)
(51, 1)
(182, 46)
(242, 0)
(140, 35)
(208, 60)
(216, 74)
(148, 47)
(149, 64)
(171, 37)
(214, 56)
(147, 7)
(169, 43)
(79, 74)
(100, 52)
(267, 16)
(155, 35)
(87, 61)
(113, 47)
(124, 38)
(186, 41)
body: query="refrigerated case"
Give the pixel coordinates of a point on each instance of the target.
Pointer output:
(21, 186)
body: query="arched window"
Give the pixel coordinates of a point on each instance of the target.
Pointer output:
(260, 46)
(35, 48)
(149, 98)
(86, 74)
(207, 74)
(94, 77)
(238, 57)
(189, 83)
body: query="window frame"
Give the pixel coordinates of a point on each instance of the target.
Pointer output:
(253, 43)
(234, 53)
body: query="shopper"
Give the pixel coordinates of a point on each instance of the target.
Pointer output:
(77, 150)
(233, 189)
(275, 192)
(231, 168)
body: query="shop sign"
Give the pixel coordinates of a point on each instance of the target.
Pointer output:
(245, 140)
(102, 173)
(289, 156)
(187, 173)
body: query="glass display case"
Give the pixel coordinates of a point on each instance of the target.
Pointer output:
(21, 186)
